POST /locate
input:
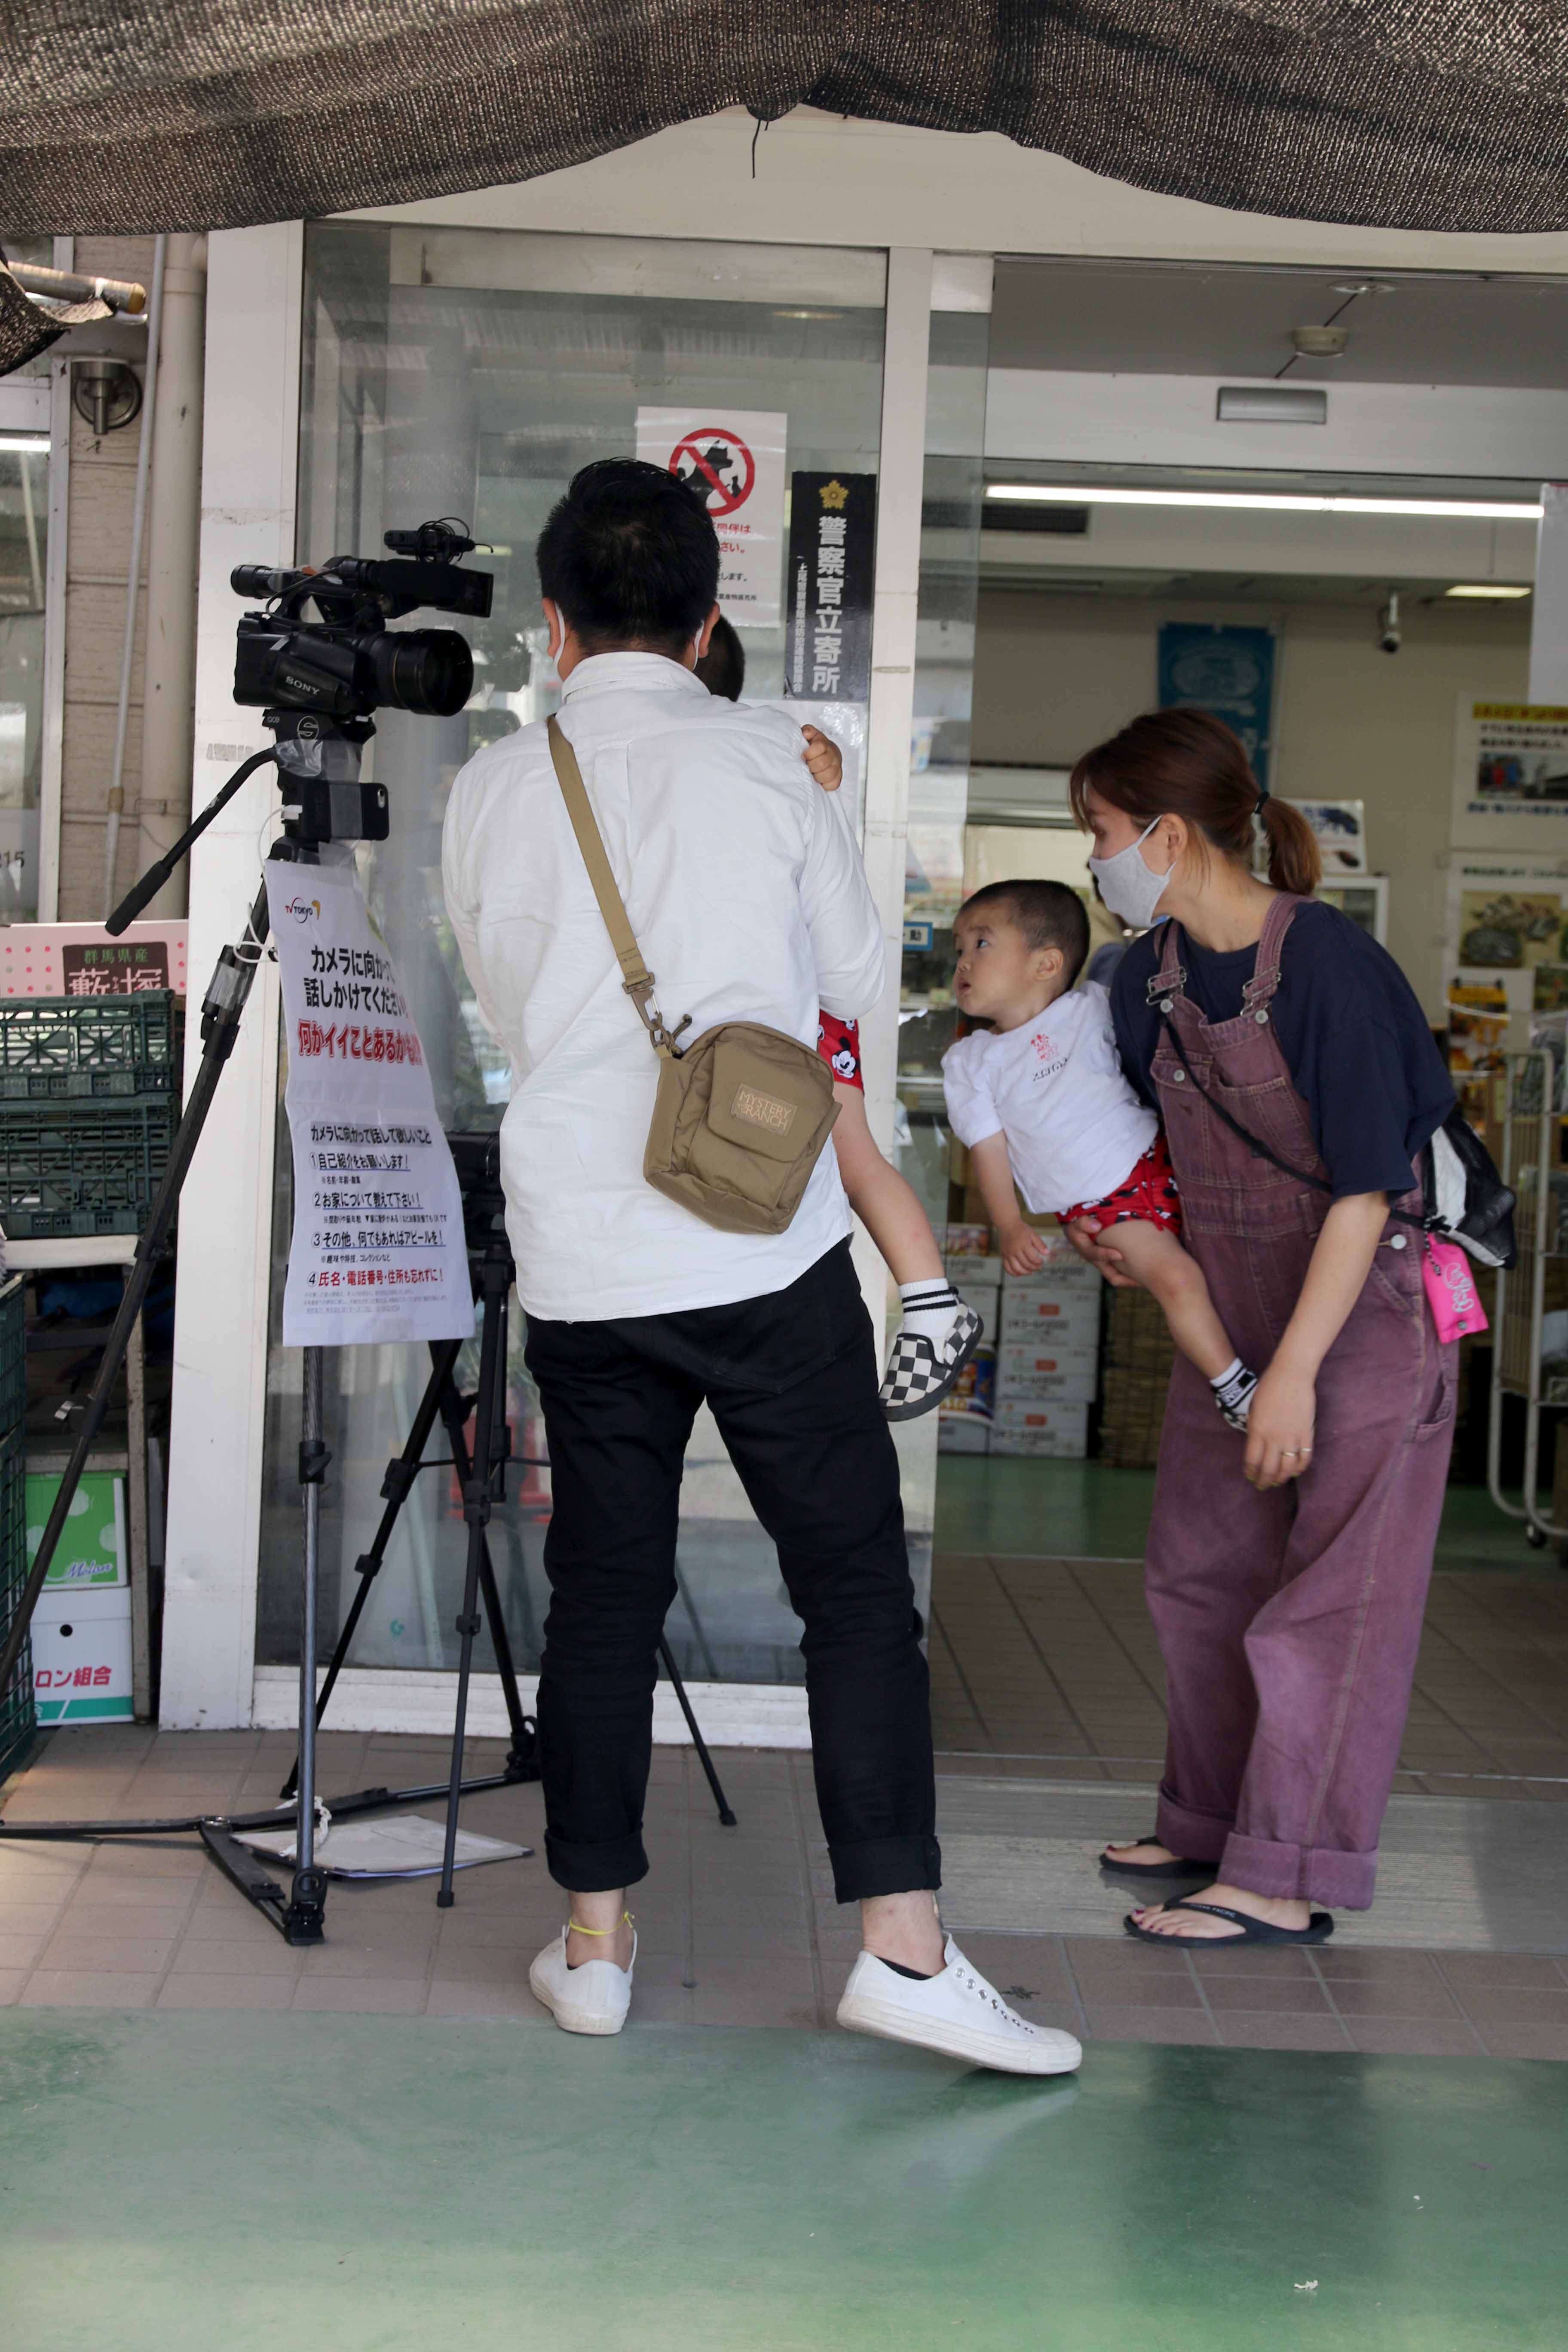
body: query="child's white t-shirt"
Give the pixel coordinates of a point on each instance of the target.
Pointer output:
(1055, 1089)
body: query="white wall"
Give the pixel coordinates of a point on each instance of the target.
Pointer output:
(1056, 674)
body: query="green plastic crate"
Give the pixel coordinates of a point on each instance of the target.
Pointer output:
(18, 1713)
(81, 1168)
(90, 1048)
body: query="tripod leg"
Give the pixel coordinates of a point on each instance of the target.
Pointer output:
(477, 1512)
(673, 1670)
(522, 1761)
(221, 1009)
(303, 1918)
(395, 1488)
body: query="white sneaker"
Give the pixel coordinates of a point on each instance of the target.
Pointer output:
(957, 2012)
(593, 1999)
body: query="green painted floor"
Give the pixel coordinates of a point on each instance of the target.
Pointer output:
(187, 2182)
(1085, 1510)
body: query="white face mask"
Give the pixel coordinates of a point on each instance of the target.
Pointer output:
(1128, 887)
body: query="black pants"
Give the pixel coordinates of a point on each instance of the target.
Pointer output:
(792, 1382)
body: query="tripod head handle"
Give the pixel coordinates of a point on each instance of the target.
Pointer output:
(152, 881)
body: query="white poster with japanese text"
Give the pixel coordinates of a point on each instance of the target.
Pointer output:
(378, 1250)
(734, 459)
(1511, 776)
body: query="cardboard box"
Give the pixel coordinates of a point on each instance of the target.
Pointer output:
(82, 1656)
(1071, 1317)
(92, 1554)
(968, 1241)
(1051, 1432)
(1063, 1271)
(1026, 1384)
(974, 1392)
(967, 1274)
(1050, 1350)
(961, 1433)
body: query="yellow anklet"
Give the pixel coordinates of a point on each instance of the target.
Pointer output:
(627, 1920)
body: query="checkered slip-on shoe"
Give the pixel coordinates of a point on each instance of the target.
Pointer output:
(919, 1376)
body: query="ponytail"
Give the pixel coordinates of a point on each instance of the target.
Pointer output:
(1187, 764)
(1294, 862)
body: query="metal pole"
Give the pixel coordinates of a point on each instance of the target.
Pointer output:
(310, 1439)
(138, 518)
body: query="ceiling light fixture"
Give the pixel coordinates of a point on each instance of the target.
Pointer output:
(24, 445)
(1492, 591)
(1091, 494)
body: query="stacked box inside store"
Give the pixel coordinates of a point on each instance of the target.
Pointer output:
(88, 1101)
(90, 1098)
(18, 1718)
(1030, 1387)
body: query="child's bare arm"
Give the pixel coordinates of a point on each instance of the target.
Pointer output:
(886, 1205)
(824, 758)
(1022, 1248)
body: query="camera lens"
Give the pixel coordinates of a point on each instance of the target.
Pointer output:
(428, 670)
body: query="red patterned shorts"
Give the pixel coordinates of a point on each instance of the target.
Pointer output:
(838, 1042)
(1148, 1195)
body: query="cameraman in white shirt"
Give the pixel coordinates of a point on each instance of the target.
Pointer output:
(747, 896)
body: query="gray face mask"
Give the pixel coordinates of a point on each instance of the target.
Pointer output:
(1127, 885)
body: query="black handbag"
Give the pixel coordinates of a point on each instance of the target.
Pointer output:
(1464, 1199)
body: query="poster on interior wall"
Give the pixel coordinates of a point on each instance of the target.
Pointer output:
(734, 459)
(378, 1250)
(1511, 775)
(1505, 951)
(832, 555)
(1226, 671)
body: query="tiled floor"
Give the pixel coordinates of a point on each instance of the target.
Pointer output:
(1038, 1662)
(737, 1926)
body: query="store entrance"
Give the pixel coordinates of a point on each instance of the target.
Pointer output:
(1162, 443)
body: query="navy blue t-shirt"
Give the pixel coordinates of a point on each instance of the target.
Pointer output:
(1354, 1039)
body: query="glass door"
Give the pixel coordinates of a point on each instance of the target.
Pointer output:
(471, 373)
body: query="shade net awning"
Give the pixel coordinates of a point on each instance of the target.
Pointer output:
(1427, 114)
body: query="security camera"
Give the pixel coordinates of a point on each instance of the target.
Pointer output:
(1390, 636)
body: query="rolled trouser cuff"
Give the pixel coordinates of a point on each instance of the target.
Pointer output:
(1197, 1837)
(1302, 1874)
(894, 1866)
(598, 1868)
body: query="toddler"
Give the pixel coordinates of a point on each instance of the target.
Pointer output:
(1041, 1101)
(939, 1331)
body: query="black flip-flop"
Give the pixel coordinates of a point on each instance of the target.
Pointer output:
(1253, 1931)
(1176, 1869)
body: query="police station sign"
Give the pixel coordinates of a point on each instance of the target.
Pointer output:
(378, 1250)
(734, 460)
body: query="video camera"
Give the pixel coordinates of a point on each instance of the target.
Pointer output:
(348, 663)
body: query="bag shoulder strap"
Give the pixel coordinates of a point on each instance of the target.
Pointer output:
(1263, 1150)
(636, 979)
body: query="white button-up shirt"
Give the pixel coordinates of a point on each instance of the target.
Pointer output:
(749, 901)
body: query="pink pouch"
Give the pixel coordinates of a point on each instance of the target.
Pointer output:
(1451, 1290)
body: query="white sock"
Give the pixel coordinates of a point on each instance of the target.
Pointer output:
(931, 1308)
(1234, 1385)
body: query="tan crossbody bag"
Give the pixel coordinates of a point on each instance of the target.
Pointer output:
(742, 1112)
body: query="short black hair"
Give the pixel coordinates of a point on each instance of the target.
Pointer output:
(631, 557)
(1049, 914)
(723, 667)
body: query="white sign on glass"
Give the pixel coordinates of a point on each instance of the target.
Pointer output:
(378, 1250)
(734, 459)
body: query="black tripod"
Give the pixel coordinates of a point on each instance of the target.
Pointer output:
(320, 760)
(481, 1475)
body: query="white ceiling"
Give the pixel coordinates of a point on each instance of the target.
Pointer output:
(1171, 319)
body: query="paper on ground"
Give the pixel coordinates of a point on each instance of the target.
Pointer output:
(407, 1845)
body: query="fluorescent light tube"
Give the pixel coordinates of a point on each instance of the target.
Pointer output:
(1490, 592)
(25, 445)
(1093, 494)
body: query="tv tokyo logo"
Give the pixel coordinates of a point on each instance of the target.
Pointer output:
(305, 910)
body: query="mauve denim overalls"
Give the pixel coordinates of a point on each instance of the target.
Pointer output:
(1289, 1621)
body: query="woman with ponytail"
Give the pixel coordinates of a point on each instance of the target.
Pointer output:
(1287, 1571)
